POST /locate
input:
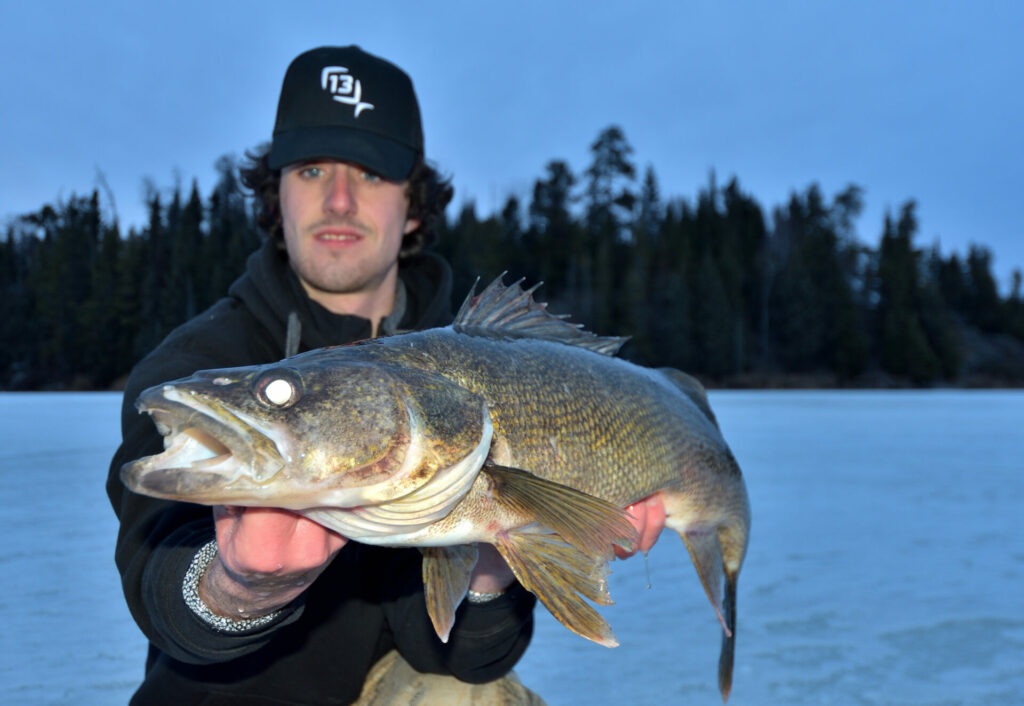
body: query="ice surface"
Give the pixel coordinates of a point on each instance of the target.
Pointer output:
(66, 636)
(886, 563)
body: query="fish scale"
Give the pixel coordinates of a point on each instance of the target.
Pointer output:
(523, 380)
(511, 427)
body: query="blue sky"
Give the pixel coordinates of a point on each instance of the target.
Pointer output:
(906, 99)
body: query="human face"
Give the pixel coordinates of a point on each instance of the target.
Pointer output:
(343, 227)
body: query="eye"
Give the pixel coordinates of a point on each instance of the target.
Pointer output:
(279, 388)
(372, 177)
(310, 172)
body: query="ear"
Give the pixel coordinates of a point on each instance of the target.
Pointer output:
(411, 224)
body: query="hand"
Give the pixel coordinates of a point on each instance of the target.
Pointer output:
(491, 574)
(266, 558)
(648, 516)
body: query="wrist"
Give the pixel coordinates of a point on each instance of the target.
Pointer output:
(196, 594)
(477, 597)
(491, 575)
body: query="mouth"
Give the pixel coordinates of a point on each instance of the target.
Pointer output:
(336, 236)
(190, 447)
(206, 448)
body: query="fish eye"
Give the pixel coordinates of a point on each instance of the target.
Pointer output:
(279, 388)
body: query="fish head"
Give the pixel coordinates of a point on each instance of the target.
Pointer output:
(309, 431)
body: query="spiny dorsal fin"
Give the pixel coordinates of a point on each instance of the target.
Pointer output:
(511, 312)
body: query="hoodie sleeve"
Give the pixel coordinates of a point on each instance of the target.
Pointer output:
(158, 539)
(486, 641)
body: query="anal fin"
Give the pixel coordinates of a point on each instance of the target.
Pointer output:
(560, 575)
(446, 574)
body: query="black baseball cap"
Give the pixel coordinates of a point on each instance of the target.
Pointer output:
(343, 103)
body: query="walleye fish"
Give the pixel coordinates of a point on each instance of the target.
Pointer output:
(511, 427)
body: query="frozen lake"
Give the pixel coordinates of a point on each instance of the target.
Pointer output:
(886, 563)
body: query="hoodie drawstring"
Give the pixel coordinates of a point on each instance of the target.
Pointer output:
(291, 339)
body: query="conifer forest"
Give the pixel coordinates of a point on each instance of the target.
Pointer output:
(711, 283)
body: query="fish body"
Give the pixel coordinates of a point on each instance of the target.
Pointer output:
(510, 427)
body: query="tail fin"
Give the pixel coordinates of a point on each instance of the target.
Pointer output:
(717, 552)
(725, 657)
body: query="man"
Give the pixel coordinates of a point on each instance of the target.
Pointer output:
(262, 606)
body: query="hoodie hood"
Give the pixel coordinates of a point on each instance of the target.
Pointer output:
(271, 291)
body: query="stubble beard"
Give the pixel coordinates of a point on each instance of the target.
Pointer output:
(344, 272)
(343, 278)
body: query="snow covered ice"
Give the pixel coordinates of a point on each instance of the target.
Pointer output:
(886, 563)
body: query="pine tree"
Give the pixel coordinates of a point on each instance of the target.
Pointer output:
(553, 238)
(16, 350)
(102, 356)
(637, 296)
(609, 208)
(1015, 308)
(904, 346)
(983, 307)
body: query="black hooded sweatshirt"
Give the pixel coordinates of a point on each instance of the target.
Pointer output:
(367, 602)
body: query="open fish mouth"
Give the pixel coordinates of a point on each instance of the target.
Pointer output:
(207, 447)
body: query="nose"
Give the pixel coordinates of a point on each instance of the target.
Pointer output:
(340, 196)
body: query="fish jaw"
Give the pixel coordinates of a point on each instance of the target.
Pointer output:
(211, 455)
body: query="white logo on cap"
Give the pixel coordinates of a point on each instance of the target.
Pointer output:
(343, 87)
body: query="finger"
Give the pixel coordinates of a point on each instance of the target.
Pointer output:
(273, 541)
(637, 516)
(654, 522)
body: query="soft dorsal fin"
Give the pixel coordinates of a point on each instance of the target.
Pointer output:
(511, 312)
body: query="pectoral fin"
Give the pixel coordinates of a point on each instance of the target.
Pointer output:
(559, 574)
(587, 522)
(446, 572)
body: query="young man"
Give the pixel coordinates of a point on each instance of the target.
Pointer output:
(261, 606)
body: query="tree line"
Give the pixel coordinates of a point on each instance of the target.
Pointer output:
(712, 285)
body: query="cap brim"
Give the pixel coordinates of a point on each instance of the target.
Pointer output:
(390, 159)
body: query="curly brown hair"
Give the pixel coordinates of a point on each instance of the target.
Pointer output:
(429, 193)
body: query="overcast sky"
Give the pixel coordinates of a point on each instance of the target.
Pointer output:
(917, 100)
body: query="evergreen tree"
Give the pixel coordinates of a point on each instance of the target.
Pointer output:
(157, 255)
(131, 305)
(708, 287)
(609, 207)
(904, 346)
(714, 322)
(1015, 308)
(637, 296)
(232, 234)
(553, 237)
(743, 252)
(103, 357)
(16, 349)
(671, 328)
(982, 304)
(184, 227)
(475, 249)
